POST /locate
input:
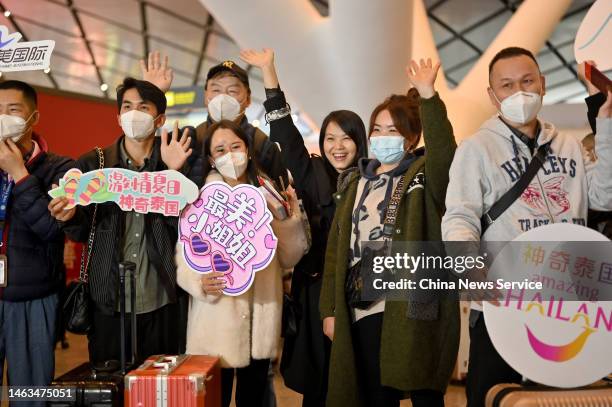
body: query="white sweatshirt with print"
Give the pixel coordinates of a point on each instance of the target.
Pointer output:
(487, 164)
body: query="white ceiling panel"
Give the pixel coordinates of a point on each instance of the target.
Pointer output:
(36, 78)
(188, 9)
(123, 12)
(171, 28)
(113, 28)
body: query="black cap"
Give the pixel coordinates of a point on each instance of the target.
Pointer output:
(232, 67)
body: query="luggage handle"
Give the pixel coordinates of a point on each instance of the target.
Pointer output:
(162, 365)
(127, 268)
(168, 363)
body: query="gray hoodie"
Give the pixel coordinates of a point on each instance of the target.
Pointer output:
(487, 164)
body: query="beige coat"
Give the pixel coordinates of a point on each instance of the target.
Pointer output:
(239, 328)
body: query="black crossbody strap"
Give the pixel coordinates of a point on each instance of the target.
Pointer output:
(517, 189)
(86, 254)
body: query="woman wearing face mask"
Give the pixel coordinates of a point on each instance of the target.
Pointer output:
(389, 350)
(227, 326)
(342, 141)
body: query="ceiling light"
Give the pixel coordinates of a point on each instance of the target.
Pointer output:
(7, 13)
(104, 87)
(47, 70)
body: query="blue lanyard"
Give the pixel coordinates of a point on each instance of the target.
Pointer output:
(5, 193)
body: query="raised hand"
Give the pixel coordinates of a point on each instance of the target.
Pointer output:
(260, 59)
(156, 71)
(423, 76)
(264, 60)
(592, 89)
(605, 111)
(175, 152)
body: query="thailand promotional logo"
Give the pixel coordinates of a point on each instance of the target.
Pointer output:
(559, 335)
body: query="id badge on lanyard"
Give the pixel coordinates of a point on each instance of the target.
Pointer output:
(5, 193)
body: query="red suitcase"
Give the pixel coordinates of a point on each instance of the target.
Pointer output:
(175, 381)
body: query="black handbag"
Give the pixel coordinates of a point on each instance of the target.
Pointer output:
(77, 306)
(292, 313)
(355, 283)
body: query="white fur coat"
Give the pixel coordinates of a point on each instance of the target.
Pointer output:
(236, 329)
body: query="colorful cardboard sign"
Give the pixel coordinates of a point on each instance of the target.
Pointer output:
(166, 192)
(556, 336)
(593, 37)
(23, 56)
(228, 230)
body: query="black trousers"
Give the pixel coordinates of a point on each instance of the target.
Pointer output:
(486, 366)
(251, 384)
(366, 341)
(157, 332)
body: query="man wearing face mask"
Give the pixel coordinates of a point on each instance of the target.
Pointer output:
(147, 240)
(488, 164)
(32, 243)
(227, 96)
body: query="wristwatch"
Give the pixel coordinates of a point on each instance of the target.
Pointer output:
(278, 114)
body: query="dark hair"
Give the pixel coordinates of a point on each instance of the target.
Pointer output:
(147, 91)
(353, 126)
(253, 168)
(511, 52)
(29, 94)
(404, 110)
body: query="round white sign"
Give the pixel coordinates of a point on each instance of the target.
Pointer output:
(556, 336)
(593, 37)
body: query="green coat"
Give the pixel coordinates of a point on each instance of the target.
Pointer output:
(414, 354)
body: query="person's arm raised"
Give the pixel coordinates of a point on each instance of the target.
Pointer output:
(155, 70)
(295, 156)
(263, 60)
(440, 143)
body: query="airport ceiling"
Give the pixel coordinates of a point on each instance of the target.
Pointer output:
(101, 41)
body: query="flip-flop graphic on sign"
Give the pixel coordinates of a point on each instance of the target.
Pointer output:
(228, 230)
(166, 192)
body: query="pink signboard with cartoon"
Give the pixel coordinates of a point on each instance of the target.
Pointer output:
(228, 230)
(166, 192)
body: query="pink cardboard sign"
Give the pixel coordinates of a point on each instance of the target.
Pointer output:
(228, 230)
(165, 192)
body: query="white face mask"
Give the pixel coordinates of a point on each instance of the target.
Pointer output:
(232, 165)
(223, 107)
(137, 125)
(522, 107)
(12, 127)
